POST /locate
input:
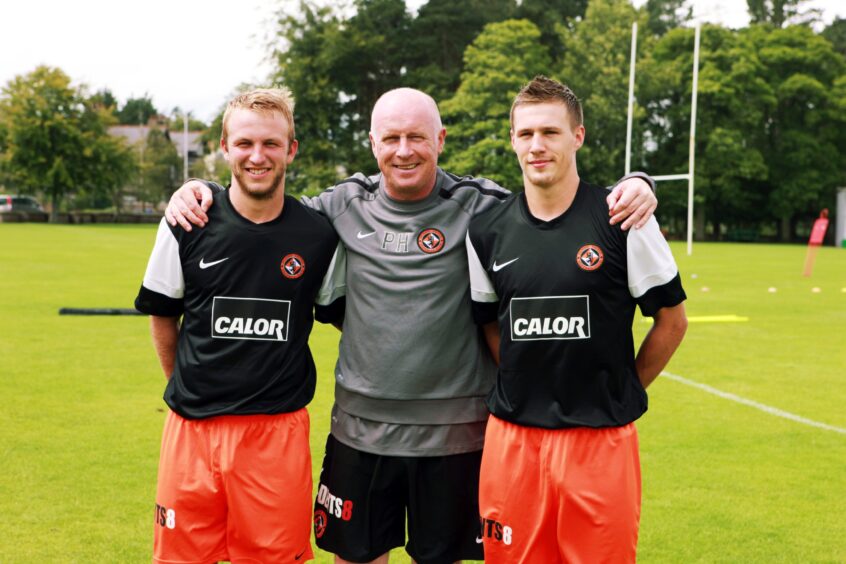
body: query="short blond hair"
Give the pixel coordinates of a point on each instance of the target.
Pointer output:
(542, 90)
(264, 101)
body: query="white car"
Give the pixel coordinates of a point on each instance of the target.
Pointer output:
(10, 203)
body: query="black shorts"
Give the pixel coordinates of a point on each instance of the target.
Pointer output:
(362, 499)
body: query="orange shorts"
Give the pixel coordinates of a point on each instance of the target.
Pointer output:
(234, 487)
(559, 495)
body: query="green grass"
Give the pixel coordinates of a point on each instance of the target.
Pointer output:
(723, 482)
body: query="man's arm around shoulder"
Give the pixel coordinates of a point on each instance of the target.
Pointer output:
(632, 200)
(332, 201)
(189, 204)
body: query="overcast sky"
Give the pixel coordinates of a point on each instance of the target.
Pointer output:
(186, 53)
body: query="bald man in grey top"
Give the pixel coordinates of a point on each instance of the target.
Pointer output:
(413, 372)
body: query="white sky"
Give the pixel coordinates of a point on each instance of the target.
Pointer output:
(186, 53)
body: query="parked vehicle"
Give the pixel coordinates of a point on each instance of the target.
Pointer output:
(14, 203)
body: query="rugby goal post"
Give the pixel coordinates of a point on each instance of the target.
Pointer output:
(692, 151)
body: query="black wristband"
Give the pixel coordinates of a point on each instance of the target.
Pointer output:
(642, 175)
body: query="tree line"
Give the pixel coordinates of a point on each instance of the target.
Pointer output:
(55, 143)
(771, 97)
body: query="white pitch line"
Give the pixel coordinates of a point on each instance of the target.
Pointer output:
(755, 404)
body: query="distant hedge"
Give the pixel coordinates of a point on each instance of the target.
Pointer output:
(79, 217)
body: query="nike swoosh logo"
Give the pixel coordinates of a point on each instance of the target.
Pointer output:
(361, 235)
(498, 267)
(479, 540)
(204, 265)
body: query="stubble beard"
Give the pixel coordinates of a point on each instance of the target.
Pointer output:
(538, 179)
(258, 194)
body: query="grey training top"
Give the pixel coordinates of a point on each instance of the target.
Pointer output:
(413, 370)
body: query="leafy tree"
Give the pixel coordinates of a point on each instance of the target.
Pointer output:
(664, 15)
(595, 66)
(211, 135)
(549, 15)
(213, 167)
(732, 101)
(113, 168)
(5, 175)
(836, 35)
(55, 139)
(306, 63)
(837, 114)
(497, 64)
(803, 131)
(159, 168)
(105, 99)
(769, 127)
(780, 12)
(438, 37)
(137, 111)
(111, 161)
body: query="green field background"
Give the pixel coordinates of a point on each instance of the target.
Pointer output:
(723, 482)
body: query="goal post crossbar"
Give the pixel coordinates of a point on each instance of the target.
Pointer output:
(689, 175)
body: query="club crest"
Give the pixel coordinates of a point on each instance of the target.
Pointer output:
(293, 266)
(589, 257)
(431, 240)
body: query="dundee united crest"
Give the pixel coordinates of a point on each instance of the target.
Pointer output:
(589, 257)
(319, 523)
(293, 266)
(431, 240)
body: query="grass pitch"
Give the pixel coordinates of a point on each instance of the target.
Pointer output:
(723, 481)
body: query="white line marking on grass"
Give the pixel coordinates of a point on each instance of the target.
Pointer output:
(755, 404)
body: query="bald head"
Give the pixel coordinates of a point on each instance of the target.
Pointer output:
(406, 136)
(404, 101)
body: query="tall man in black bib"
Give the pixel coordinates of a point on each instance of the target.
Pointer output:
(555, 288)
(234, 478)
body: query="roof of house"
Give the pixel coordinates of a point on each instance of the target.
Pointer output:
(135, 133)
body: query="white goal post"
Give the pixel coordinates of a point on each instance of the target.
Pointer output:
(692, 152)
